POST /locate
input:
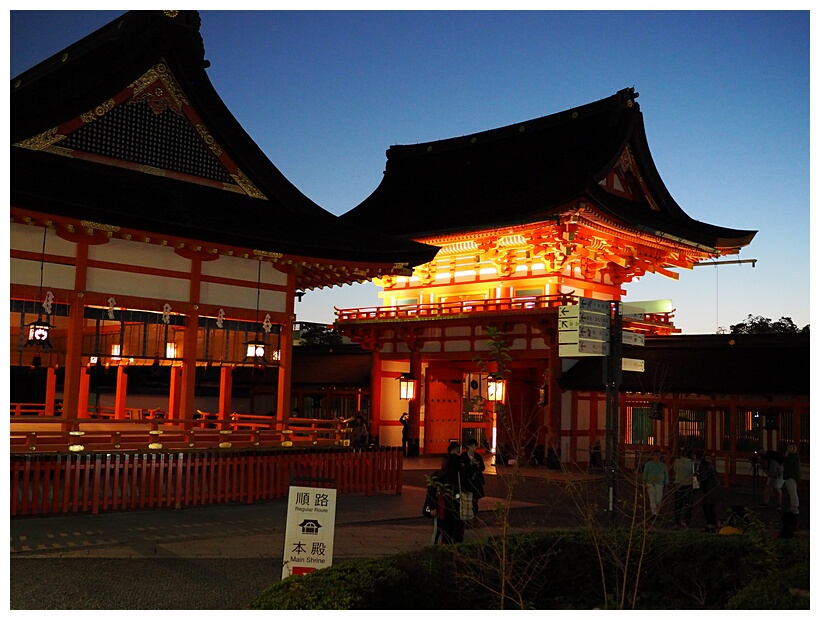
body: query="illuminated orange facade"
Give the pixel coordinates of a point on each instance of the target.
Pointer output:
(527, 218)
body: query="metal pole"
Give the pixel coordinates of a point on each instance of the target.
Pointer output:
(612, 381)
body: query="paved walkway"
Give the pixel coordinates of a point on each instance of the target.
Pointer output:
(221, 557)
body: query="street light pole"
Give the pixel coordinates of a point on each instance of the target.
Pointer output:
(612, 381)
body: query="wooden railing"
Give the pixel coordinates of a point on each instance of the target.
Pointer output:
(660, 321)
(156, 433)
(453, 309)
(54, 484)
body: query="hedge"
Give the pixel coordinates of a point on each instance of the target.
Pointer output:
(560, 569)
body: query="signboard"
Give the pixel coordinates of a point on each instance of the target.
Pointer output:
(634, 339)
(633, 365)
(583, 348)
(585, 317)
(583, 328)
(309, 531)
(637, 309)
(594, 305)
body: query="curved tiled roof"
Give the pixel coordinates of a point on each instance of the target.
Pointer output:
(527, 172)
(125, 128)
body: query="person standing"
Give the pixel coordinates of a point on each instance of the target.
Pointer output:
(709, 489)
(791, 476)
(360, 433)
(773, 468)
(656, 477)
(473, 472)
(450, 525)
(405, 432)
(684, 469)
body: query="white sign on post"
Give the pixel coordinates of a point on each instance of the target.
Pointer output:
(632, 365)
(309, 531)
(638, 340)
(583, 328)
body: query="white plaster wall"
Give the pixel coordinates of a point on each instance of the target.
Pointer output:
(139, 254)
(28, 272)
(241, 297)
(161, 288)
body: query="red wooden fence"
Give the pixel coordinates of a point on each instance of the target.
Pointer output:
(54, 484)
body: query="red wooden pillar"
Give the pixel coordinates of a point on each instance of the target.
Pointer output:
(375, 394)
(414, 406)
(51, 390)
(122, 392)
(82, 396)
(225, 391)
(74, 343)
(175, 395)
(185, 406)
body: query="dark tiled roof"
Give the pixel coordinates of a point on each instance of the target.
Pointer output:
(708, 364)
(190, 171)
(524, 173)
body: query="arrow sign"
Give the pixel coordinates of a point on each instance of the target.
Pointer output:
(594, 305)
(591, 347)
(585, 348)
(632, 338)
(567, 325)
(585, 332)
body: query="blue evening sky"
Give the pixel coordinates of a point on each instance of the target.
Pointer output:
(725, 97)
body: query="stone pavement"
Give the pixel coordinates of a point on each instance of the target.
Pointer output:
(221, 557)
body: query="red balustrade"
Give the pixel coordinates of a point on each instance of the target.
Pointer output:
(54, 484)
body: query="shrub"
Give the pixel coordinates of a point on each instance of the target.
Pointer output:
(565, 570)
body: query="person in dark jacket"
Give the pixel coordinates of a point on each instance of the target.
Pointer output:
(709, 489)
(791, 476)
(451, 479)
(473, 465)
(405, 432)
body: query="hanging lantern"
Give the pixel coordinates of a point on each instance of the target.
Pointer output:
(407, 386)
(38, 330)
(657, 411)
(38, 333)
(255, 351)
(496, 386)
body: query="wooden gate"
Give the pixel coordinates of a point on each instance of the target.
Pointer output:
(443, 407)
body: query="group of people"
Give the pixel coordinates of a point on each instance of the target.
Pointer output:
(698, 476)
(454, 491)
(691, 476)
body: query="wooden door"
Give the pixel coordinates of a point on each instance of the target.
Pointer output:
(442, 421)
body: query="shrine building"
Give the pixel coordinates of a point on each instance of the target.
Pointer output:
(150, 234)
(529, 217)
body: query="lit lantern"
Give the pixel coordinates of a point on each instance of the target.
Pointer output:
(255, 351)
(495, 388)
(170, 350)
(38, 333)
(407, 386)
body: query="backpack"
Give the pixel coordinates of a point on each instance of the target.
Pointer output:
(431, 498)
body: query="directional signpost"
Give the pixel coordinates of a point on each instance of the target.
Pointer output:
(590, 328)
(583, 328)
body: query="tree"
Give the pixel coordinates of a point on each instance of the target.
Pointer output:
(318, 334)
(761, 325)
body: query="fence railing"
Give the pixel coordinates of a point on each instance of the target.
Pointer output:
(38, 433)
(54, 484)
